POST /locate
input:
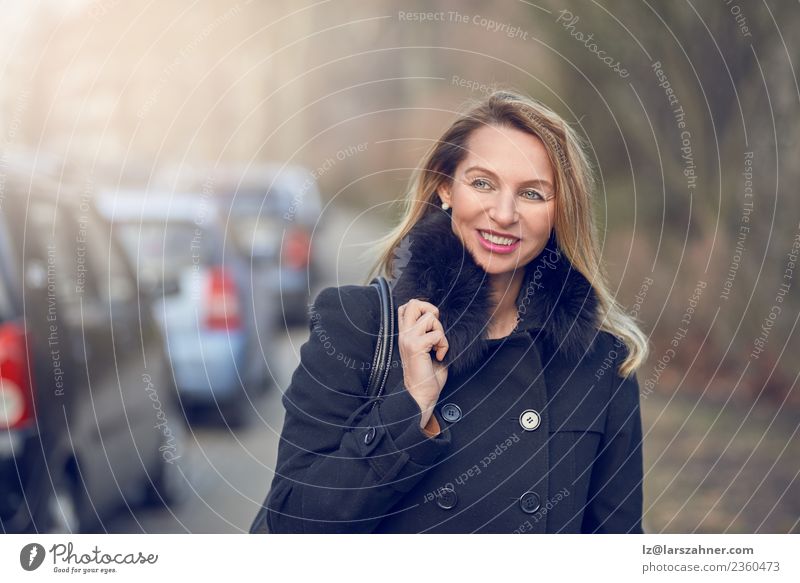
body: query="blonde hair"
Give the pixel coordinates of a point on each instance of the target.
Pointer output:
(574, 226)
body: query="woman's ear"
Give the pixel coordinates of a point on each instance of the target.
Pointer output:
(444, 194)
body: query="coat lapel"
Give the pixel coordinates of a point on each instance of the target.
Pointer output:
(432, 264)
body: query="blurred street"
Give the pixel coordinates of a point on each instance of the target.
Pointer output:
(229, 470)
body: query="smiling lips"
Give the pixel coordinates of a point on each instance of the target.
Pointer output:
(496, 243)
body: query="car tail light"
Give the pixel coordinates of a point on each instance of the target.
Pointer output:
(16, 396)
(222, 301)
(296, 248)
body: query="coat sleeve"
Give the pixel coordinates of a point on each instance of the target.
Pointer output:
(615, 490)
(342, 463)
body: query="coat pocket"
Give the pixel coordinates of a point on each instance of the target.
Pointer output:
(574, 442)
(575, 438)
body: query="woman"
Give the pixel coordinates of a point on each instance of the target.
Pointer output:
(512, 404)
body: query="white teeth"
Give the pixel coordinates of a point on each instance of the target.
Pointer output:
(497, 240)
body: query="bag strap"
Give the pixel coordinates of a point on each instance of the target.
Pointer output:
(381, 361)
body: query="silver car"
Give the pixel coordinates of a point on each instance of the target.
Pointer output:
(202, 296)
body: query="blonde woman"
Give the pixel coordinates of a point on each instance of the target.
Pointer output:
(512, 405)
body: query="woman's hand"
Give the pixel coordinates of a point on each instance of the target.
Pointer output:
(420, 331)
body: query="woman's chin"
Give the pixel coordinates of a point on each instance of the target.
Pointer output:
(496, 264)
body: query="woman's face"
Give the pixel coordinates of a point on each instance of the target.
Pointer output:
(504, 185)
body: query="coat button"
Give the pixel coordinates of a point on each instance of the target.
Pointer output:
(446, 498)
(530, 419)
(529, 502)
(451, 412)
(369, 435)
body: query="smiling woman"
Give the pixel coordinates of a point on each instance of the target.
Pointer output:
(503, 204)
(503, 320)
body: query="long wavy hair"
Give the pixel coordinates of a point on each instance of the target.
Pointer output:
(575, 228)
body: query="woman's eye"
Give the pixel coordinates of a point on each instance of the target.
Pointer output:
(480, 183)
(483, 184)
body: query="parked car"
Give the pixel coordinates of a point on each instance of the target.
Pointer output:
(271, 216)
(202, 296)
(88, 415)
(270, 211)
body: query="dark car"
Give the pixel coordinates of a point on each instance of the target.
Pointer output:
(88, 416)
(272, 212)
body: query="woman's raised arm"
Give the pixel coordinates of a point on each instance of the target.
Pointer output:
(343, 464)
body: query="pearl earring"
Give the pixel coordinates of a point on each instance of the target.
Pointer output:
(445, 206)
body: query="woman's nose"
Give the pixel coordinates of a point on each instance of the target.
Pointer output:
(504, 209)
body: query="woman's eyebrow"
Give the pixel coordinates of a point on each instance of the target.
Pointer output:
(532, 182)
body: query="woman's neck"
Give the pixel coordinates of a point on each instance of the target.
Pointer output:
(505, 288)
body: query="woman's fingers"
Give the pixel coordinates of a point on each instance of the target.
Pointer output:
(424, 323)
(422, 319)
(440, 344)
(411, 311)
(420, 332)
(427, 334)
(437, 341)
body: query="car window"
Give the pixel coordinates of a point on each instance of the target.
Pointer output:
(256, 236)
(159, 250)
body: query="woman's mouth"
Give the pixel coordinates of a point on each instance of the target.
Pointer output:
(497, 244)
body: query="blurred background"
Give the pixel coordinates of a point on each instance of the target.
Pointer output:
(179, 179)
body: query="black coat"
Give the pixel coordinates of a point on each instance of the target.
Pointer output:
(539, 433)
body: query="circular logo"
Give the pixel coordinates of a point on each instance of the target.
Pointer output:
(31, 556)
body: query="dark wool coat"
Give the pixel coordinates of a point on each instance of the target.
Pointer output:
(539, 434)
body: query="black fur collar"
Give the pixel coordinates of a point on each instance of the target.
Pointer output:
(432, 264)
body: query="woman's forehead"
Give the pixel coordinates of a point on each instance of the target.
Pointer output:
(515, 156)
